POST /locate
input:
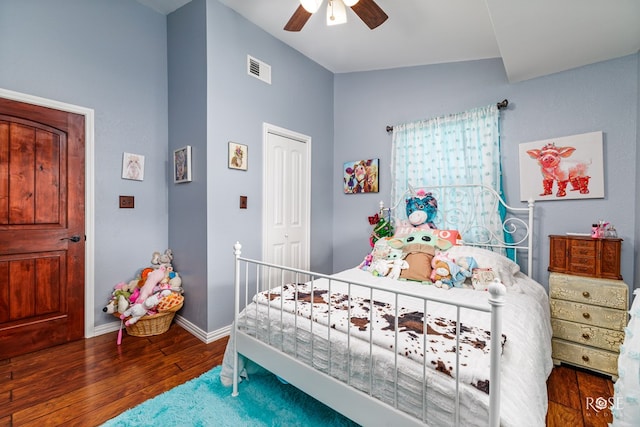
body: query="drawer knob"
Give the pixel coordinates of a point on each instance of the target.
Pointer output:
(586, 294)
(586, 336)
(585, 358)
(586, 315)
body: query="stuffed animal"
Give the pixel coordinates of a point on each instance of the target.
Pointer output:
(175, 282)
(441, 270)
(466, 264)
(380, 267)
(159, 259)
(153, 278)
(421, 208)
(119, 299)
(396, 268)
(418, 249)
(135, 312)
(389, 266)
(111, 307)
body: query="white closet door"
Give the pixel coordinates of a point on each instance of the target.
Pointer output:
(287, 199)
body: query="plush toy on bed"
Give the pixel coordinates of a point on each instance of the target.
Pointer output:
(381, 228)
(441, 273)
(418, 250)
(422, 208)
(466, 264)
(390, 266)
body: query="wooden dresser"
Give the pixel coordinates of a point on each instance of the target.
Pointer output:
(588, 316)
(589, 302)
(585, 256)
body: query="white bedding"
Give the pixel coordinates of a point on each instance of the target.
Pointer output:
(526, 359)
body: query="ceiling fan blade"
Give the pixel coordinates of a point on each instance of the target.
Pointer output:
(370, 13)
(298, 19)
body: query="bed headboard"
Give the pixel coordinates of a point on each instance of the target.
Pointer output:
(508, 232)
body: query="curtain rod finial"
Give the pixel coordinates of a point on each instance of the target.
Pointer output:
(389, 128)
(503, 104)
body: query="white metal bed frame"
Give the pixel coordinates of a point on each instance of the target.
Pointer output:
(359, 406)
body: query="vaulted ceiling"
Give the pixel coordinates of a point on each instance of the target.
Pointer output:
(533, 38)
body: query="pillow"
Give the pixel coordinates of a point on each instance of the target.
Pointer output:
(500, 264)
(404, 228)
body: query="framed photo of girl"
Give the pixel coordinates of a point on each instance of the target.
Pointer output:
(182, 165)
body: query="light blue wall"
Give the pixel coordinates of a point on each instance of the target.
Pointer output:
(187, 58)
(599, 97)
(300, 99)
(109, 56)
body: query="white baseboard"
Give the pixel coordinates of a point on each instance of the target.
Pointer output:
(206, 337)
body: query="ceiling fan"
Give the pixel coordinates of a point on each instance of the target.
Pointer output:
(367, 10)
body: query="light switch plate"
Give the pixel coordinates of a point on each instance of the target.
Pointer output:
(243, 202)
(126, 202)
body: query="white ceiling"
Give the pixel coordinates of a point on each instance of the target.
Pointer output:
(533, 37)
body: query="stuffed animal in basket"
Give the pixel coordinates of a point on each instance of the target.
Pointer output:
(158, 259)
(153, 278)
(136, 311)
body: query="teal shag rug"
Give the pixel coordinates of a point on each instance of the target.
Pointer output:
(263, 400)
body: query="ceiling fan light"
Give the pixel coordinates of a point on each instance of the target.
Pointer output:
(350, 2)
(311, 6)
(336, 13)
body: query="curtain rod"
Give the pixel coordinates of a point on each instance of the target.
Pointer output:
(501, 105)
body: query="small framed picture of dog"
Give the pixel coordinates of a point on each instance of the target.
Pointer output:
(238, 156)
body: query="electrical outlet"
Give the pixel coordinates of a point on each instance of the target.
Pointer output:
(126, 202)
(243, 202)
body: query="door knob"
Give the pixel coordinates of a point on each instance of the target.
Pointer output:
(74, 238)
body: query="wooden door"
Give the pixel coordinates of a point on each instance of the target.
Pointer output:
(42, 234)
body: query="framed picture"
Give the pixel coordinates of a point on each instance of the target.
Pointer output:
(132, 166)
(361, 176)
(569, 167)
(182, 165)
(238, 156)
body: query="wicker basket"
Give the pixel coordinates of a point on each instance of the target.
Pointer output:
(155, 324)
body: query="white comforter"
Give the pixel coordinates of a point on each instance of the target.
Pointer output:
(526, 359)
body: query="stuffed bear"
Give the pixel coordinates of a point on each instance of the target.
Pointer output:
(441, 270)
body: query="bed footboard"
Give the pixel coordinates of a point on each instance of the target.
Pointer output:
(304, 353)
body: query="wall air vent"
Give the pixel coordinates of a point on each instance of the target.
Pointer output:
(259, 69)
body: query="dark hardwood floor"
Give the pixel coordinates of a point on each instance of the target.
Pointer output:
(88, 382)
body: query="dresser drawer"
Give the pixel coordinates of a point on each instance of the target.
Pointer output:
(603, 292)
(583, 248)
(588, 357)
(594, 336)
(608, 318)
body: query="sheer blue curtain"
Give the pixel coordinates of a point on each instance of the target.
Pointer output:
(462, 148)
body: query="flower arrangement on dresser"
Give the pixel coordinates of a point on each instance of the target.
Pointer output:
(147, 304)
